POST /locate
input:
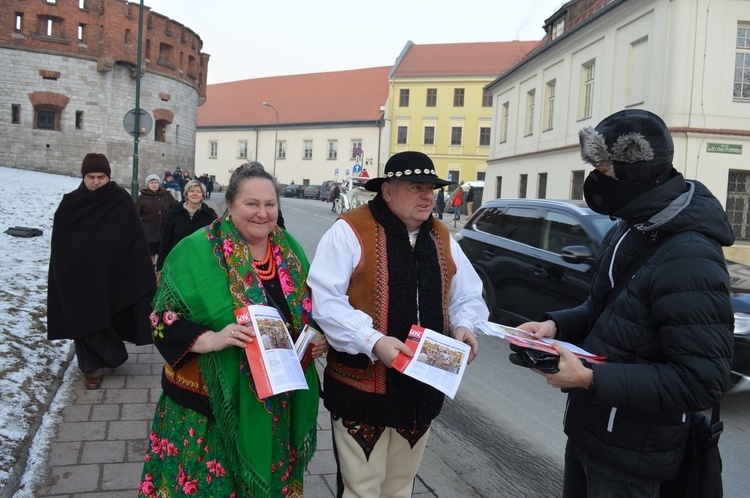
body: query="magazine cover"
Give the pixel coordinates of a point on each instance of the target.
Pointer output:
(438, 360)
(272, 357)
(526, 339)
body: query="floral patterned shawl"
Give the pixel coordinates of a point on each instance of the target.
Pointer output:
(206, 277)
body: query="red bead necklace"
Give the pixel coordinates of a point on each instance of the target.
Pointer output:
(269, 263)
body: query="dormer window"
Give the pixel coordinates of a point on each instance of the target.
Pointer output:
(558, 27)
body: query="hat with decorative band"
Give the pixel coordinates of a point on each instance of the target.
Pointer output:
(410, 166)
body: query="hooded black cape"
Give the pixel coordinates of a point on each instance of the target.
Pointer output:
(99, 267)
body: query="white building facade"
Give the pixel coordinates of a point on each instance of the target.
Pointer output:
(305, 155)
(687, 61)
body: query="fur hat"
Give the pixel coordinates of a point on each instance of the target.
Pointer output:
(95, 163)
(152, 177)
(637, 143)
(410, 166)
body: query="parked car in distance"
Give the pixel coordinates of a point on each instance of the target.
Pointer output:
(293, 190)
(535, 255)
(325, 189)
(312, 192)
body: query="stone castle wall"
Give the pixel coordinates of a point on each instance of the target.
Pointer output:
(78, 60)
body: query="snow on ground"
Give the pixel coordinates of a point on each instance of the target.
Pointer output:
(31, 367)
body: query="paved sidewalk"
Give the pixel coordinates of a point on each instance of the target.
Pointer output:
(100, 444)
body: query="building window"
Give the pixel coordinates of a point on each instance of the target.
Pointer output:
(403, 97)
(81, 30)
(456, 135)
(165, 53)
(484, 136)
(558, 28)
(738, 202)
(82, 4)
(401, 135)
(356, 148)
(15, 114)
(498, 187)
(458, 97)
(160, 130)
(177, 134)
(79, 120)
(307, 149)
(213, 149)
(588, 71)
(549, 111)
(431, 97)
(487, 98)
(50, 26)
(333, 149)
(638, 72)
(127, 37)
(742, 62)
(242, 149)
(429, 135)
(53, 2)
(46, 119)
(504, 122)
(530, 103)
(576, 188)
(454, 176)
(541, 187)
(281, 149)
(19, 22)
(523, 182)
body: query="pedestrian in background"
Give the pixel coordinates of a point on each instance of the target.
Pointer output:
(183, 219)
(470, 202)
(209, 186)
(172, 186)
(101, 281)
(457, 201)
(379, 269)
(667, 335)
(153, 203)
(440, 203)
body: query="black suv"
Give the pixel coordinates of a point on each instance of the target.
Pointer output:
(535, 255)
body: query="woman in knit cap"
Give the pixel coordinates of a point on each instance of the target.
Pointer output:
(153, 203)
(101, 281)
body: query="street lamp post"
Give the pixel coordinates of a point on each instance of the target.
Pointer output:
(276, 136)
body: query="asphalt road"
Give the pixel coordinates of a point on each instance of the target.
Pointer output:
(502, 434)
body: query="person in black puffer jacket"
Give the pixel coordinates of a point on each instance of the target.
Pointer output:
(184, 219)
(667, 335)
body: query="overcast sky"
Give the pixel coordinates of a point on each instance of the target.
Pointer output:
(253, 39)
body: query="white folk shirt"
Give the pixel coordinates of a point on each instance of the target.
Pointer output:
(350, 330)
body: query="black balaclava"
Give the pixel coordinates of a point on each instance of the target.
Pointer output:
(638, 145)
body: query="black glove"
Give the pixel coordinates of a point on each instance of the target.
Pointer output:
(532, 358)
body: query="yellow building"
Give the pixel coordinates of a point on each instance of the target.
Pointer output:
(437, 103)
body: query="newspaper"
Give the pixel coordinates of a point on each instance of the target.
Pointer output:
(273, 360)
(438, 361)
(526, 339)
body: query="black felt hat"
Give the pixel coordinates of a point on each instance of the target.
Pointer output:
(410, 166)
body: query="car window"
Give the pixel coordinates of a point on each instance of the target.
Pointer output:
(517, 224)
(560, 230)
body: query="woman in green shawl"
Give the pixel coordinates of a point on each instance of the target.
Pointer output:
(212, 435)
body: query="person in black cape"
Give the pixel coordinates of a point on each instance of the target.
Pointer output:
(101, 280)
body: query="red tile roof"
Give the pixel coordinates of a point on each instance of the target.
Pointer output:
(461, 59)
(340, 96)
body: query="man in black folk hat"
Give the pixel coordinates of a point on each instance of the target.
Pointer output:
(381, 268)
(666, 330)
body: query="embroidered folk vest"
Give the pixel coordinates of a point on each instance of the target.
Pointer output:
(358, 389)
